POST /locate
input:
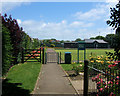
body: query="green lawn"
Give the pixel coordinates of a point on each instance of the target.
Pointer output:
(74, 53)
(21, 78)
(69, 67)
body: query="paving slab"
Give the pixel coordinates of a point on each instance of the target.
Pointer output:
(52, 80)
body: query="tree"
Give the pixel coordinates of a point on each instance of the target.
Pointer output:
(110, 38)
(6, 50)
(115, 23)
(92, 38)
(15, 34)
(100, 37)
(78, 39)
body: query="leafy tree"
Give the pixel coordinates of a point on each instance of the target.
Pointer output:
(115, 23)
(110, 38)
(100, 37)
(15, 34)
(92, 38)
(78, 39)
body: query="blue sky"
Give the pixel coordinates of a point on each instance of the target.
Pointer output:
(61, 20)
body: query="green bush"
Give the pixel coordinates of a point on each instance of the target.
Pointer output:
(6, 50)
(52, 45)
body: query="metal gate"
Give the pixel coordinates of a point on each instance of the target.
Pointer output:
(51, 57)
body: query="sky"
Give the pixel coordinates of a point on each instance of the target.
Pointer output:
(61, 20)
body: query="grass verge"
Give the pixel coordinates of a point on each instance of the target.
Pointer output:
(21, 79)
(69, 67)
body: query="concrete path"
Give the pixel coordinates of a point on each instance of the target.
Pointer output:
(52, 80)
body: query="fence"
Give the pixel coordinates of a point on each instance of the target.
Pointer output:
(104, 81)
(74, 54)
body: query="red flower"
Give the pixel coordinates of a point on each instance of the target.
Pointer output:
(38, 51)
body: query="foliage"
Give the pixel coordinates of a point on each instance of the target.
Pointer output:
(52, 45)
(115, 23)
(77, 69)
(6, 50)
(78, 39)
(15, 34)
(110, 69)
(111, 39)
(98, 37)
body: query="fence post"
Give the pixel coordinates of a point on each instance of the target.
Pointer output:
(22, 55)
(40, 55)
(43, 56)
(85, 77)
(119, 76)
(60, 57)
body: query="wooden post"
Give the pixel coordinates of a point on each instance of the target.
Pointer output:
(40, 55)
(85, 77)
(22, 61)
(43, 56)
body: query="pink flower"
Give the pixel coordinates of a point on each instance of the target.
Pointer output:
(101, 80)
(98, 82)
(110, 82)
(117, 77)
(101, 89)
(117, 83)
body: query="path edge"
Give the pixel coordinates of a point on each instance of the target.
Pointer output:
(37, 80)
(69, 79)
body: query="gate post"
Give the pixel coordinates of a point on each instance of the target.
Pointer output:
(85, 78)
(22, 61)
(58, 57)
(40, 54)
(43, 56)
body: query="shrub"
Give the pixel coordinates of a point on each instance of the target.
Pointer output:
(6, 50)
(52, 45)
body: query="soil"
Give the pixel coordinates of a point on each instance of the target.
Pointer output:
(73, 76)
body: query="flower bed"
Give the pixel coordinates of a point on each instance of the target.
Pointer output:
(107, 75)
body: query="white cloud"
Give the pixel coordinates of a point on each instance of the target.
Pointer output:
(7, 6)
(91, 15)
(60, 30)
(79, 24)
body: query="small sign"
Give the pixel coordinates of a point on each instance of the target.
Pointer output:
(81, 45)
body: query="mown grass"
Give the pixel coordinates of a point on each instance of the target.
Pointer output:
(74, 53)
(24, 75)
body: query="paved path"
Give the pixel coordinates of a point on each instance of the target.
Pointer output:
(52, 80)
